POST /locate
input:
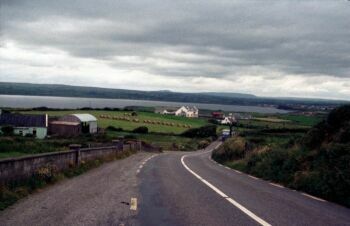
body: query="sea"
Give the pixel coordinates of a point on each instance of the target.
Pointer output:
(20, 101)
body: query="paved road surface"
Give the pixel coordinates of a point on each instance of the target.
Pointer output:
(93, 198)
(214, 195)
(171, 189)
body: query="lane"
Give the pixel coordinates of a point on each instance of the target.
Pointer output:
(226, 197)
(276, 204)
(172, 195)
(97, 197)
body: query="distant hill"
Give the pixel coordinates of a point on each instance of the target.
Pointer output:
(8, 88)
(231, 95)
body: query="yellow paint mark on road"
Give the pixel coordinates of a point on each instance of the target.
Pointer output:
(133, 204)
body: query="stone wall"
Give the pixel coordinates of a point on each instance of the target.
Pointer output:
(24, 167)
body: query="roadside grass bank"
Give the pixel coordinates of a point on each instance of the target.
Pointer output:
(315, 161)
(17, 146)
(11, 192)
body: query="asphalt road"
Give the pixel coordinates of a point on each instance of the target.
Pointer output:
(101, 196)
(198, 191)
(172, 188)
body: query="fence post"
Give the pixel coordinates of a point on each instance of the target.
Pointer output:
(118, 145)
(140, 145)
(76, 148)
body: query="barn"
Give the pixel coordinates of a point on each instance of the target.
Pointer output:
(26, 125)
(73, 125)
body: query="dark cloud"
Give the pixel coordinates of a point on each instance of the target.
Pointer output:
(190, 38)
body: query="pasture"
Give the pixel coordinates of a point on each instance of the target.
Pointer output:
(127, 121)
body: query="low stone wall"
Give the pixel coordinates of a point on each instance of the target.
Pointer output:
(23, 167)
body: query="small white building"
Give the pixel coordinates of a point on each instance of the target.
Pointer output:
(25, 124)
(186, 111)
(228, 120)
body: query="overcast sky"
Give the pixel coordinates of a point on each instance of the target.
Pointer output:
(269, 48)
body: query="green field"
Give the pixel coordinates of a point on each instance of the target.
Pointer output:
(164, 135)
(164, 131)
(303, 119)
(178, 124)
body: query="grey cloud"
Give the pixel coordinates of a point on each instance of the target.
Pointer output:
(294, 37)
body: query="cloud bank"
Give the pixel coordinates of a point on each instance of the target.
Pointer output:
(268, 48)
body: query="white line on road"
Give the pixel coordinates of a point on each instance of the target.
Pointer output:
(237, 171)
(276, 185)
(143, 163)
(255, 178)
(313, 197)
(232, 201)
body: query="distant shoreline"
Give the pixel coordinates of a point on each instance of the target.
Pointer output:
(31, 101)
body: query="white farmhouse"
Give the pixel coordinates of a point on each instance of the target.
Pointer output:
(228, 119)
(189, 112)
(24, 125)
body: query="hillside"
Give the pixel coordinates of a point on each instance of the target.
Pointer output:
(8, 88)
(231, 95)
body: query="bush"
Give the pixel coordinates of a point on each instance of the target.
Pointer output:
(232, 149)
(202, 132)
(130, 137)
(116, 129)
(7, 130)
(141, 129)
(203, 144)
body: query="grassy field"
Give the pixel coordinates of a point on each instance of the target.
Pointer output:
(164, 131)
(154, 122)
(271, 119)
(304, 120)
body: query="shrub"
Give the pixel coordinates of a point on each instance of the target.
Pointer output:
(130, 137)
(7, 130)
(232, 149)
(202, 132)
(141, 129)
(116, 129)
(203, 144)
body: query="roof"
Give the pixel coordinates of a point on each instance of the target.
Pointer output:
(85, 117)
(64, 123)
(19, 120)
(217, 113)
(188, 108)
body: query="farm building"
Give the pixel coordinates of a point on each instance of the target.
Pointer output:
(64, 129)
(165, 110)
(189, 112)
(228, 120)
(73, 125)
(218, 115)
(34, 125)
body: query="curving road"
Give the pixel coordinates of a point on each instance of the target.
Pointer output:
(191, 189)
(173, 188)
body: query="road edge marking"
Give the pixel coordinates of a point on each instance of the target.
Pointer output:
(222, 194)
(313, 197)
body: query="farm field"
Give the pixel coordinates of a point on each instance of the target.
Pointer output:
(123, 119)
(303, 119)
